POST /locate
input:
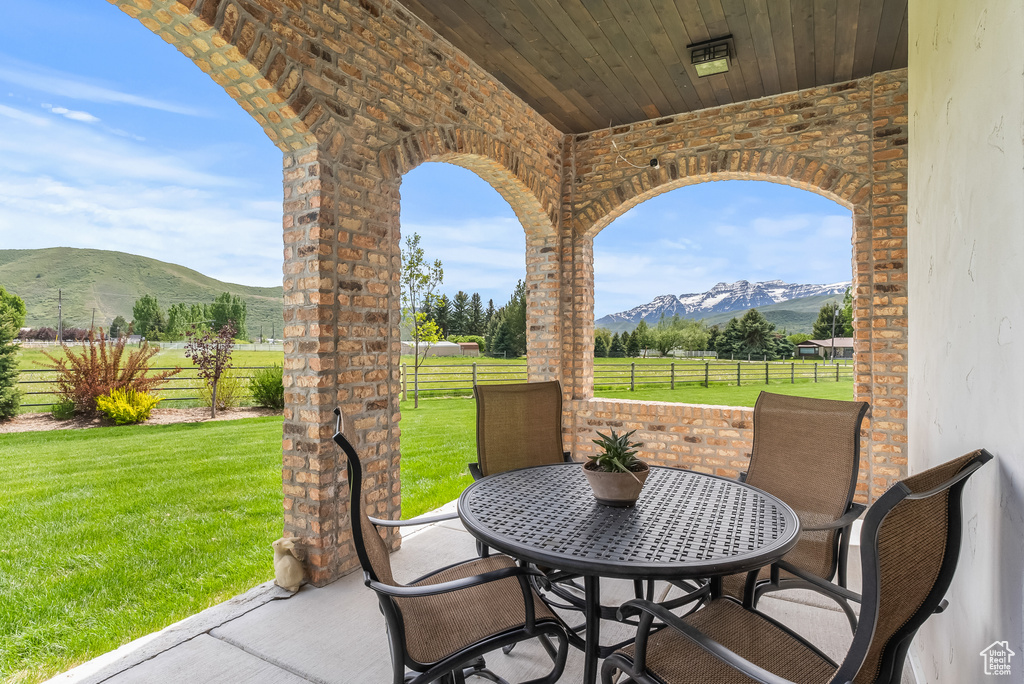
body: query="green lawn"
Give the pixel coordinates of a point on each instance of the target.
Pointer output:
(109, 534)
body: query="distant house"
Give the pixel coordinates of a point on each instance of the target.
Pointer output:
(470, 348)
(433, 349)
(843, 348)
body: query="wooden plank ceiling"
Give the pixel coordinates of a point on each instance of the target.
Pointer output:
(588, 64)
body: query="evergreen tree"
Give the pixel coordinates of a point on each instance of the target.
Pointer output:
(149, 319)
(118, 328)
(616, 349)
(752, 335)
(600, 346)
(489, 314)
(823, 325)
(504, 344)
(12, 317)
(632, 344)
(643, 333)
(477, 324)
(848, 313)
(460, 314)
(515, 318)
(442, 310)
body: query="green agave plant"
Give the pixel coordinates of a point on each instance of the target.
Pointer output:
(618, 454)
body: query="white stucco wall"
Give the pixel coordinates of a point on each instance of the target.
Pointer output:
(966, 303)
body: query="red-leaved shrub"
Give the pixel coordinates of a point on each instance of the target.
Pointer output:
(100, 367)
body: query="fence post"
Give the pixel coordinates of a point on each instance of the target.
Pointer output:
(792, 374)
(738, 374)
(632, 376)
(474, 374)
(837, 372)
(766, 372)
(815, 371)
(706, 373)
(672, 376)
(405, 383)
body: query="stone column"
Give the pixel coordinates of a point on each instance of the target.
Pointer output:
(341, 349)
(543, 289)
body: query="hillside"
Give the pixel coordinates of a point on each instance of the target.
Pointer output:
(111, 281)
(795, 315)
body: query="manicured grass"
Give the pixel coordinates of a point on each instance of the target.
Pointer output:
(109, 534)
(438, 440)
(31, 358)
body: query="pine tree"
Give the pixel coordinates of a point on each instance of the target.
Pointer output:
(12, 316)
(632, 344)
(442, 310)
(616, 349)
(643, 334)
(823, 326)
(489, 314)
(477, 323)
(460, 314)
(600, 346)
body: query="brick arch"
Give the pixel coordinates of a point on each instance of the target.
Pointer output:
(495, 161)
(848, 188)
(236, 49)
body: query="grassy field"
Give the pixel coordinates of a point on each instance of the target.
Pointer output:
(439, 438)
(109, 534)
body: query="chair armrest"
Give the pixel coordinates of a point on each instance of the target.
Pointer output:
(517, 571)
(818, 582)
(653, 610)
(452, 585)
(856, 510)
(415, 521)
(474, 470)
(567, 456)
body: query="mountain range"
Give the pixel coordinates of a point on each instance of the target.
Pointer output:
(789, 304)
(105, 284)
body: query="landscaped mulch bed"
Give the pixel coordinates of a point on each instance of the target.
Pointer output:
(29, 422)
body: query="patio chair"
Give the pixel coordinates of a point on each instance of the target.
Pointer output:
(518, 426)
(910, 547)
(440, 625)
(807, 453)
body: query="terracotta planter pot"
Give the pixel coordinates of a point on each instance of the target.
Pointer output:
(616, 489)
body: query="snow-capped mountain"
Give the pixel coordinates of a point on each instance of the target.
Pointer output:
(721, 298)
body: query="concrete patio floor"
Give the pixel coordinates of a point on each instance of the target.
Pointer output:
(336, 634)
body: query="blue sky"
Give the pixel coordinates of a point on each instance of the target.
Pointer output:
(147, 155)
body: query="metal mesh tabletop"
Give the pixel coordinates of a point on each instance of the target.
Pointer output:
(684, 524)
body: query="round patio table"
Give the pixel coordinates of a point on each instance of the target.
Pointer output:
(685, 525)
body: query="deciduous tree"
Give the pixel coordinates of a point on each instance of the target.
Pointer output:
(419, 279)
(211, 354)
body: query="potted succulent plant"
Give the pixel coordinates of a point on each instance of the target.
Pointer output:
(615, 473)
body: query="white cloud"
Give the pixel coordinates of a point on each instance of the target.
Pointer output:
(76, 87)
(84, 117)
(485, 255)
(65, 184)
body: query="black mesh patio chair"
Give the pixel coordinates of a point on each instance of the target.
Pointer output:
(807, 453)
(910, 546)
(441, 625)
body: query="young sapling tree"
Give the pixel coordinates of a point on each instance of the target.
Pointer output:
(211, 354)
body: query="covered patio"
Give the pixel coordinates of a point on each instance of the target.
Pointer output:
(335, 633)
(576, 112)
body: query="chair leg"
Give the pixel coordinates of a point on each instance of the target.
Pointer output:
(477, 668)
